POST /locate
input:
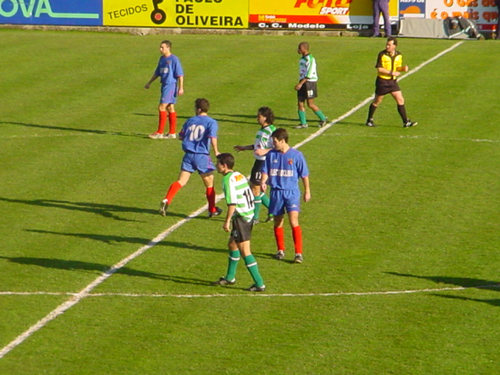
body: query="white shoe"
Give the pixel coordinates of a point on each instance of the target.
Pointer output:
(170, 136)
(301, 126)
(156, 135)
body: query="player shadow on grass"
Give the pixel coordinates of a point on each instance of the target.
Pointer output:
(272, 256)
(363, 124)
(464, 282)
(110, 240)
(492, 302)
(102, 209)
(64, 128)
(99, 268)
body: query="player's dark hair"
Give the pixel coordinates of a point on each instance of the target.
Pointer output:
(203, 104)
(280, 134)
(392, 39)
(168, 43)
(305, 45)
(267, 113)
(226, 159)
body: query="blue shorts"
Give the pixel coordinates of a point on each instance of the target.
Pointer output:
(169, 94)
(201, 163)
(284, 199)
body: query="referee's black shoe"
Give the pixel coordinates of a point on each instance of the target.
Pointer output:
(370, 123)
(409, 124)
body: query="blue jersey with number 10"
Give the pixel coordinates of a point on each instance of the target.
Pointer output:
(197, 133)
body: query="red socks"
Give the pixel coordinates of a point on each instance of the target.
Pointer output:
(174, 188)
(210, 193)
(172, 119)
(279, 234)
(297, 239)
(162, 121)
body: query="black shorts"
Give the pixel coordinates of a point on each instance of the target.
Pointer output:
(385, 86)
(256, 175)
(309, 90)
(242, 229)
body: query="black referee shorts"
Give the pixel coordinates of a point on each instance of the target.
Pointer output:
(386, 86)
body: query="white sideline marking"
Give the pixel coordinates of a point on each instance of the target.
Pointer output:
(337, 294)
(86, 291)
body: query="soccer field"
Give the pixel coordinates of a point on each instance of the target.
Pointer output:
(401, 236)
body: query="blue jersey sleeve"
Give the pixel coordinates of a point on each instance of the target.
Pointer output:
(177, 68)
(302, 170)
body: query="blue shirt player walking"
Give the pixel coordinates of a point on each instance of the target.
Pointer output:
(282, 170)
(198, 135)
(169, 70)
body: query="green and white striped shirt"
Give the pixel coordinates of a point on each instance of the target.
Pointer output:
(263, 140)
(307, 68)
(237, 192)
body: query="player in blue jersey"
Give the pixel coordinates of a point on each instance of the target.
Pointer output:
(171, 75)
(283, 167)
(198, 135)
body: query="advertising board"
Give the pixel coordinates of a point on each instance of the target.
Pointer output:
(51, 12)
(211, 14)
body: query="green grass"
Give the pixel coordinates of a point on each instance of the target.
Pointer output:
(393, 209)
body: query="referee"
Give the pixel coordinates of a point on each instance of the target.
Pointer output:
(389, 67)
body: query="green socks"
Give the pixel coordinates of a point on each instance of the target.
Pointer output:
(252, 267)
(256, 207)
(265, 200)
(234, 257)
(302, 117)
(320, 114)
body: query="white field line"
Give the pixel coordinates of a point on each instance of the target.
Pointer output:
(188, 296)
(85, 292)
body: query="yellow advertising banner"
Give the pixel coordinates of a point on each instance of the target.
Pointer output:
(315, 14)
(213, 14)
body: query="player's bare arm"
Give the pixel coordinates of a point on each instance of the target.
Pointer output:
(388, 72)
(307, 190)
(262, 151)
(153, 78)
(263, 182)
(243, 148)
(180, 85)
(301, 82)
(214, 145)
(230, 212)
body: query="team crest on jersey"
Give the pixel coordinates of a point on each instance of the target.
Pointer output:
(238, 177)
(290, 161)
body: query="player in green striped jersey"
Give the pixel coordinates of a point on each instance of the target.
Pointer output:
(240, 210)
(262, 145)
(307, 87)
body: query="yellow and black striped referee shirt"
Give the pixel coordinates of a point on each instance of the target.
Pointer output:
(392, 63)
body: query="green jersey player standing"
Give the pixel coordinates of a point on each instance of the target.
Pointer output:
(262, 145)
(240, 211)
(307, 88)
